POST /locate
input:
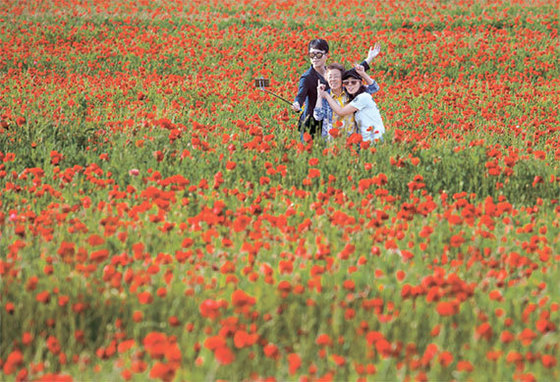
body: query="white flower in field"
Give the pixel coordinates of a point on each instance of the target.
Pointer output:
(133, 172)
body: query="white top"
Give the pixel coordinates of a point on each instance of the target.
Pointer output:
(368, 118)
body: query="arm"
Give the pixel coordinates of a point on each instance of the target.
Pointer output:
(303, 90)
(373, 52)
(372, 86)
(341, 111)
(318, 112)
(301, 95)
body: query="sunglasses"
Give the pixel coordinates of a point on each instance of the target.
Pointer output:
(316, 55)
(351, 82)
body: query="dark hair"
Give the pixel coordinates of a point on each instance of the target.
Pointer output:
(336, 66)
(319, 44)
(352, 73)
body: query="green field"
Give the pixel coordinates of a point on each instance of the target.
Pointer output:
(160, 217)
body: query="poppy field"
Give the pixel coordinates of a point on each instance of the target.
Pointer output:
(160, 217)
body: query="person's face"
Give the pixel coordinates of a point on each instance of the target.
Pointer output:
(334, 78)
(318, 57)
(352, 85)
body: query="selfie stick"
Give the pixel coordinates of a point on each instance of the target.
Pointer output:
(261, 83)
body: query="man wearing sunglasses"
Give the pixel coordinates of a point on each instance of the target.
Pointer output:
(318, 53)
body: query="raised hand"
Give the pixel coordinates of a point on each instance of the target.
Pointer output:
(373, 52)
(320, 89)
(360, 69)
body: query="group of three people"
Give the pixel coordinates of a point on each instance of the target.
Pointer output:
(338, 98)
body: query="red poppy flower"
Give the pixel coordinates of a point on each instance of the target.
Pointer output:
(243, 339)
(548, 361)
(162, 371)
(445, 308)
(241, 299)
(527, 336)
(334, 132)
(224, 355)
(145, 298)
(43, 297)
(294, 361)
(465, 366)
(271, 351)
(14, 360)
(445, 358)
(323, 340)
(484, 331)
